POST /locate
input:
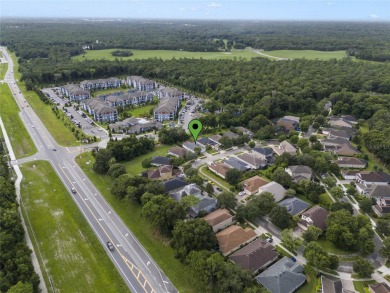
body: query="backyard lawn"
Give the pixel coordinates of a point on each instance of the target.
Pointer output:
(311, 281)
(21, 141)
(362, 287)
(130, 213)
(73, 258)
(330, 247)
(203, 171)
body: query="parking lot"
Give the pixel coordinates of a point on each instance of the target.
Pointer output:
(188, 112)
(75, 114)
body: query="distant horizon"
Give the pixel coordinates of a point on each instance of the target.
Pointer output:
(222, 10)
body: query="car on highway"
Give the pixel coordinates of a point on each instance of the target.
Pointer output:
(54, 150)
(73, 190)
(110, 246)
(32, 126)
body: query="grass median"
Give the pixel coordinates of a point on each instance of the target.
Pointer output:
(21, 141)
(73, 257)
(130, 213)
(56, 127)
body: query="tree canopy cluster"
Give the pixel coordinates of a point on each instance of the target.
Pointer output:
(16, 269)
(122, 53)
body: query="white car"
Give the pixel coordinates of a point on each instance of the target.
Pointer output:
(241, 193)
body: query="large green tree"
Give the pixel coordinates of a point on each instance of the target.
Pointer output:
(319, 258)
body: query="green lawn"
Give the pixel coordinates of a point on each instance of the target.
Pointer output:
(130, 213)
(330, 247)
(3, 70)
(325, 199)
(167, 54)
(143, 111)
(58, 130)
(134, 167)
(21, 141)
(214, 177)
(308, 54)
(311, 281)
(73, 257)
(108, 91)
(361, 287)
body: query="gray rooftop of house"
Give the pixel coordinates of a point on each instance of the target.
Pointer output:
(236, 163)
(174, 184)
(230, 135)
(205, 204)
(285, 276)
(294, 205)
(264, 151)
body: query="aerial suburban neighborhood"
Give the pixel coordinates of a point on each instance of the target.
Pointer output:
(194, 156)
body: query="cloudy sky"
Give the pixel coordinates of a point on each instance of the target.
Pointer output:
(366, 10)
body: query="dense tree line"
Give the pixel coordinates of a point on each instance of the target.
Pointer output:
(121, 150)
(122, 53)
(16, 269)
(45, 39)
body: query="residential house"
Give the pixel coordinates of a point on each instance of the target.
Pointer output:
(135, 125)
(75, 93)
(128, 99)
(379, 288)
(351, 162)
(373, 177)
(347, 150)
(184, 190)
(219, 168)
(163, 173)
(100, 84)
(205, 141)
(231, 238)
(294, 205)
(190, 146)
(315, 216)
(275, 188)
(255, 256)
(100, 111)
(382, 206)
(216, 138)
(140, 83)
(235, 163)
(205, 204)
(342, 132)
(177, 151)
(253, 161)
(334, 142)
(174, 184)
(332, 285)
(349, 174)
(288, 122)
(299, 172)
(170, 93)
(343, 121)
(166, 109)
(160, 161)
(285, 276)
(253, 184)
(219, 219)
(245, 131)
(285, 147)
(265, 154)
(379, 191)
(230, 135)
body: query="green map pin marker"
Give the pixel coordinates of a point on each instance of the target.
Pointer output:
(195, 127)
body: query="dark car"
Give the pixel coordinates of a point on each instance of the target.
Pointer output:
(219, 188)
(110, 245)
(54, 150)
(73, 190)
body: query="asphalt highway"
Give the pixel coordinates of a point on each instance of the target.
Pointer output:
(137, 268)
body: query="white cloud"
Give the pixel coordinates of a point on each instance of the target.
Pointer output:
(373, 15)
(213, 4)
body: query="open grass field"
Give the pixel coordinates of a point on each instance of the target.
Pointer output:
(134, 167)
(61, 134)
(330, 247)
(3, 70)
(107, 91)
(307, 54)
(166, 54)
(130, 213)
(362, 287)
(141, 111)
(73, 257)
(21, 141)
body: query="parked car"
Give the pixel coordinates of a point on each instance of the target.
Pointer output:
(219, 189)
(241, 193)
(270, 240)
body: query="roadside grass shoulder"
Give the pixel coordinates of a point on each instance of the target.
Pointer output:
(21, 141)
(57, 129)
(130, 213)
(72, 254)
(3, 70)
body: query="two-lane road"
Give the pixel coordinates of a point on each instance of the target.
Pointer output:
(139, 271)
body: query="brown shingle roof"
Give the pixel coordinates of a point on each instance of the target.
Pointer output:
(254, 255)
(178, 151)
(218, 216)
(318, 215)
(254, 183)
(219, 168)
(380, 288)
(232, 237)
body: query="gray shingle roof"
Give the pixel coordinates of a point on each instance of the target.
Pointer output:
(173, 184)
(294, 205)
(267, 152)
(285, 276)
(236, 163)
(159, 160)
